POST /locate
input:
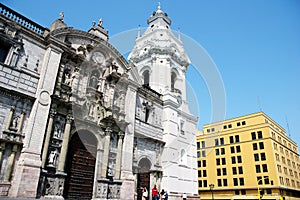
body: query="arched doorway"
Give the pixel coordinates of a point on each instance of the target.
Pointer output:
(143, 176)
(80, 166)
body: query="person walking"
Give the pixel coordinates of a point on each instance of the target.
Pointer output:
(145, 194)
(154, 193)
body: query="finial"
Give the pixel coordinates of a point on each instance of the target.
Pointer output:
(158, 7)
(61, 16)
(100, 22)
(179, 35)
(139, 31)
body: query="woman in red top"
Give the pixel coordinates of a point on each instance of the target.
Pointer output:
(154, 193)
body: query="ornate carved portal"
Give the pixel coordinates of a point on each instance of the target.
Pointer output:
(143, 176)
(81, 166)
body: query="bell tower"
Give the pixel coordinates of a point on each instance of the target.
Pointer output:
(162, 63)
(160, 57)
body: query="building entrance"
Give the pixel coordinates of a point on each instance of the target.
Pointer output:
(143, 177)
(80, 166)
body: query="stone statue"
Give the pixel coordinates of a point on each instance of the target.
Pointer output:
(15, 122)
(100, 22)
(57, 130)
(61, 16)
(52, 157)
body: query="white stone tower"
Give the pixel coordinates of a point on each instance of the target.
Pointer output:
(162, 64)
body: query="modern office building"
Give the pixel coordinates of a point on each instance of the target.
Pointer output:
(242, 157)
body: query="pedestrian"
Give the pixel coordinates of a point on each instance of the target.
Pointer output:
(166, 195)
(154, 193)
(184, 196)
(145, 194)
(162, 194)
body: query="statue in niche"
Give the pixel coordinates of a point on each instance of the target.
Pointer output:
(94, 80)
(114, 141)
(91, 110)
(100, 85)
(52, 157)
(100, 113)
(110, 169)
(68, 79)
(148, 107)
(15, 122)
(120, 101)
(75, 77)
(57, 130)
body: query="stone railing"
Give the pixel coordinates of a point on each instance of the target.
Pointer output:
(148, 130)
(20, 19)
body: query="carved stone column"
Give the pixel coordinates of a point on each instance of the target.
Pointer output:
(119, 155)
(20, 125)
(10, 116)
(10, 163)
(47, 139)
(2, 148)
(108, 132)
(64, 146)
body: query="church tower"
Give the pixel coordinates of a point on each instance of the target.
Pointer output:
(162, 63)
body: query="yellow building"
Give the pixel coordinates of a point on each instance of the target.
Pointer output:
(244, 156)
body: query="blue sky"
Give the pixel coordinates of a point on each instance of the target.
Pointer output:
(254, 44)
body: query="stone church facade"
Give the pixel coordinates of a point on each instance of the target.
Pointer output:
(79, 121)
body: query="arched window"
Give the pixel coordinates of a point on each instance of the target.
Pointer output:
(183, 157)
(146, 77)
(173, 79)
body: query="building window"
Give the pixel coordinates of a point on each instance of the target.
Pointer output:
(4, 49)
(234, 172)
(219, 172)
(204, 163)
(223, 161)
(259, 135)
(199, 183)
(233, 161)
(231, 139)
(240, 170)
(204, 173)
(256, 157)
(229, 126)
(238, 123)
(199, 163)
(222, 141)
(238, 149)
(243, 192)
(235, 182)
(259, 180)
(243, 122)
(232, 150)
(219, 182)
(224, 171)
(239, 158)
(203, 144)
(225, 182)
(217, 152)
(222, 151)
(216, 142)
(225, 126)
(237, 138)
(203, 154)
(205, 183)
(173, 79)
(261, 145)
(257, 167)
(198, 145)
(198, 154)
(254, 146)
(267, 180)
(199, 173)
(253, 136)
(242, 181)
(146, 76)
(265, 168)
(262, 156)
(218, 161)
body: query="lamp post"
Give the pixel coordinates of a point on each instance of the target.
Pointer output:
(211, 186)
(258, 190)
